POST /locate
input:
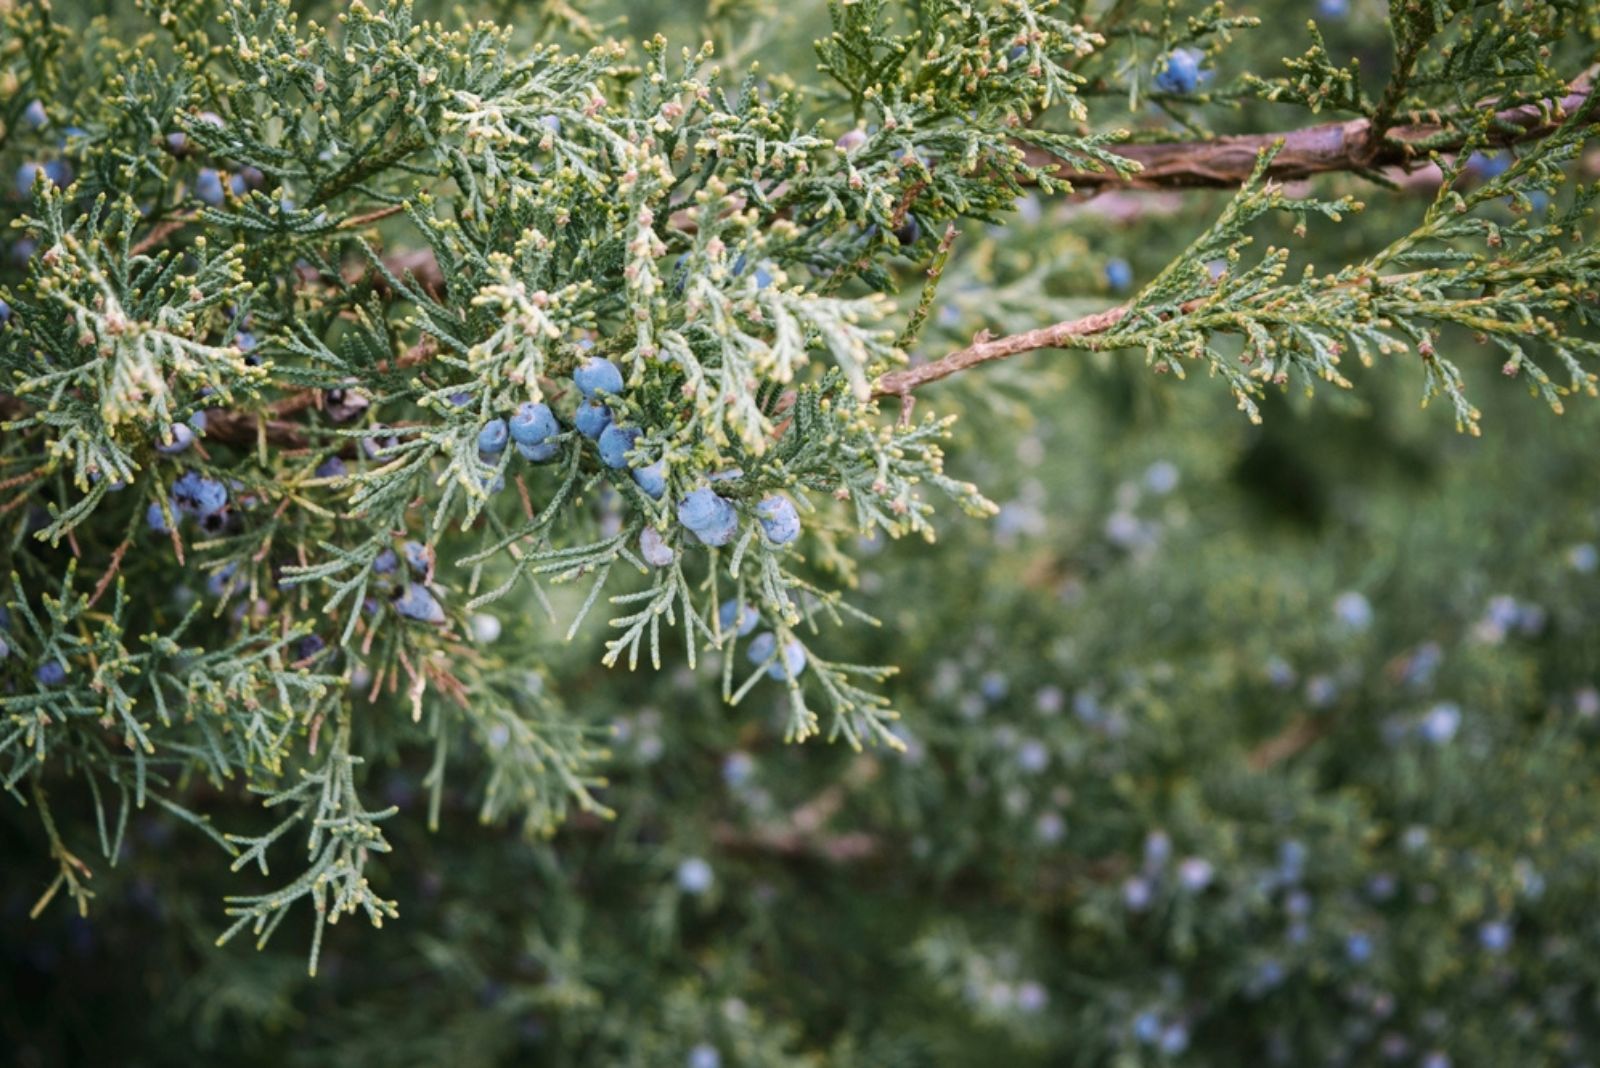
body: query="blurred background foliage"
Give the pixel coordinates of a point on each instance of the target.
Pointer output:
(1225, 743)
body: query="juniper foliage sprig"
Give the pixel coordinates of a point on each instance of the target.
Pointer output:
(311, 333)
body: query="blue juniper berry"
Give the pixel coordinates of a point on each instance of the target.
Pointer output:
(492, 438)
(1181, 74)
(788, 666)
(732, 613)
(199, 495)
(654, 548)
(652, 479)
(50, 673)
(694, 876)
(342, 405)
(533, 423)
(779, 519)
(182, 437)
(1119, 274)
(711, 518)
(541, 453)
(591, 419)
(615, 444)
(220, 581)
(415, 602)
(208, 186)
(419, 557)
(851, 140)
(597, 375)
(910, 231)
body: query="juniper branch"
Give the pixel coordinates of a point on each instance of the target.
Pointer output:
(1357, 145)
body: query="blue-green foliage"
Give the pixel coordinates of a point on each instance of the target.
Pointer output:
(371, 385)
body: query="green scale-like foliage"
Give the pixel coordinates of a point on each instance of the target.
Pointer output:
(342, 250)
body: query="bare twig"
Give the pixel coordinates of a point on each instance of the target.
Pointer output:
(985, 348)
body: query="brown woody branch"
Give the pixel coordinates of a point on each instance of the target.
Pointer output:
(985, 348)
(1356, 145)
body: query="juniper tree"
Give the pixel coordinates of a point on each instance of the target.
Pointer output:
(348, 355)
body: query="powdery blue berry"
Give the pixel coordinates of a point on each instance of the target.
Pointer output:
(415, 602)
(1442, 721)
(597, 375)
(1353, 610)
(713, 519)
(1157, 850)
(1031, 996)
(1147, 1028)
(789, 666)
(720, 533)
(736, 615)
(1161, 477)
(533, 423)
(5, 312)
(694, 876)
(541, 453)
(704, 1055)
(1195, 873)
(654, 548)
(220, 581)
(332, 467)
(1181, 73)
(1495, 936)
(615, 444)
(1033, 756)
(385, 562)
(737, 768)
(155, 520)
(198, 495)
(1174, 1039)
(419, 557)
(1292, 860)
(182, 437)
(591, 419)
(27, 174)
(779, 519)
(1119, 274)
(208, 186)
(492, 438)
(34, 116)
(50, 673)
(652, 479)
